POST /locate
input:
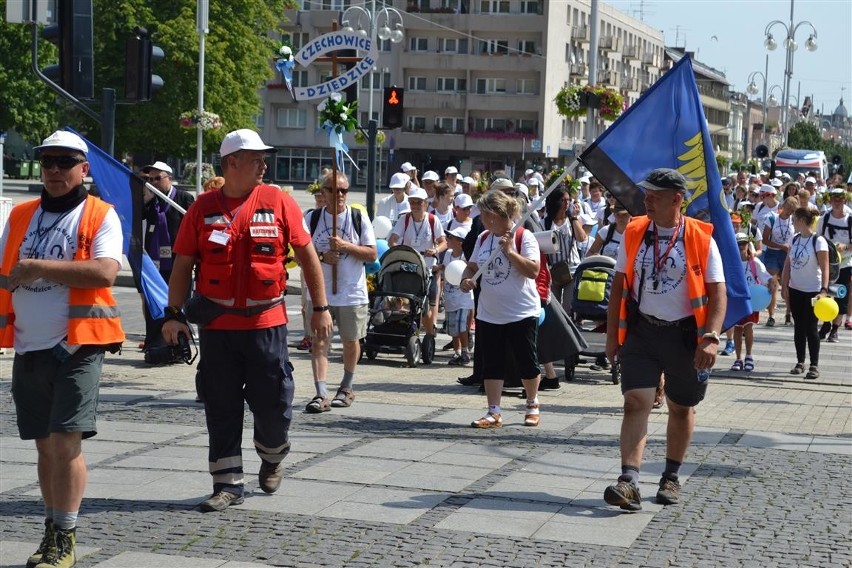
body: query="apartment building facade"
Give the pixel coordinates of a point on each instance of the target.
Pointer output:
(479, 80)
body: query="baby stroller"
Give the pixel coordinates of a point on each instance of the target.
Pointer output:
(592, 288)
(401, 295)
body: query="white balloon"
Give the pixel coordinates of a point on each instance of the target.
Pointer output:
(453, 272)
(382, 227)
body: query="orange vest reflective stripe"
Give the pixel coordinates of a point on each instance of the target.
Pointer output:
(93, 317)
(247, 270)
(696, 242)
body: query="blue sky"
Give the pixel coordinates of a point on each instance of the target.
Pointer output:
(729, 34)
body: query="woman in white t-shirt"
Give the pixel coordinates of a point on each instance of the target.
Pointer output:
(805, 276)
(609, 237)
(509, 304)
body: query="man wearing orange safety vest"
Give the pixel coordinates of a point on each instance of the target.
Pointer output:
(239, 237)
(666, 311)
(61, 254)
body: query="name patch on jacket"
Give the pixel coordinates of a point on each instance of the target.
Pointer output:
(264, 231)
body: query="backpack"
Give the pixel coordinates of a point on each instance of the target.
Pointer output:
(432, 221)
(356, 220)
(833, 228)
(834, 258)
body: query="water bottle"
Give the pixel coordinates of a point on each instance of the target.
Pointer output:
(703, 375)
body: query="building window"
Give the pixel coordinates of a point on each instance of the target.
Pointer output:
(489, 124)
(365, 116)
(526, 46)
(301, 165)
(531, 7)
(449, 124)
(417, 83)
(417, 123)
(452, 45)
(451, 84)
(290, 118)
(494, 6)
(525, 125)
(298, 40)
(259, 119)
(494, 46)
(525, 86)
(454, 4)
(300, 79)
(489, 86)
(384, 45)
(418, 44)
(378, 81)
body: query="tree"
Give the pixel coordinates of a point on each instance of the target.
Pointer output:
(805, 136)
(26, 104)
(238, 55)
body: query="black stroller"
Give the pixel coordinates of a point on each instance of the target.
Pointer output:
(592, 287)
(401, 295)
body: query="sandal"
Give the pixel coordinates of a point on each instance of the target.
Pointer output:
(532, 419)
(488, 421)
(343, 398)
(318, 404)
(813, 373)
(748, 366)
(737, 366)
(798, 369)
(305, 344)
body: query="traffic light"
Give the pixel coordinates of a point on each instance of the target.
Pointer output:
(140, 56)
(72, 34)
(393, 105)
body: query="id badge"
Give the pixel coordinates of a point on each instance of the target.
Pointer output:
(220, 237)
(416, 243)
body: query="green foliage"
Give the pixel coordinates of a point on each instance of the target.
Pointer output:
(26, 104)
(805, 136)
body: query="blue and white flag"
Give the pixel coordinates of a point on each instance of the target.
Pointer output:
(666, 128)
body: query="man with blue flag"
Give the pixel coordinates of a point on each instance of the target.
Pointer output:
(666, 129)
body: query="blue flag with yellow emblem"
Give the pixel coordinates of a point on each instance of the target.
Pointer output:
(666, 128)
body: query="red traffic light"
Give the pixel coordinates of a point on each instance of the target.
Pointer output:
(393, 105)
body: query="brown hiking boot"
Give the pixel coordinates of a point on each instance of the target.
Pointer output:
(269, 476)
(625, 495)
(669, 492)
(63, 554)
(48, 542)
(221, 501)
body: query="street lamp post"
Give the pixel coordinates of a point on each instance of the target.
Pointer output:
(790, 45)
(751, 89)
(386, 24)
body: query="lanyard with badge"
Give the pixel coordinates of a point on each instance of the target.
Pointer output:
(660, 260)
(221, 237)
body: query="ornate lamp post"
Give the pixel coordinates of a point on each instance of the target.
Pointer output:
(751, 89)
(386, 24)
(790, 45)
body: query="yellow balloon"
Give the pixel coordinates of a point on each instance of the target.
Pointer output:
(826, 309)
(292, 256)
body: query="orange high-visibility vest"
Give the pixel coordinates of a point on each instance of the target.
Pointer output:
(93, 317)
(696, 242)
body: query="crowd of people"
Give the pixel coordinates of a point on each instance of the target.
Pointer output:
(225, 262)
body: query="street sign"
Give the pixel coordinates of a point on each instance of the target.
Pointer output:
(535, 145)
(20, 11)
(327, 43)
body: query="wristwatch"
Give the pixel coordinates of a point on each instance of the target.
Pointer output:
(712, 336)
(319, 309)
(174, 313)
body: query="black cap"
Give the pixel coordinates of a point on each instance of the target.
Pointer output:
(663, 179)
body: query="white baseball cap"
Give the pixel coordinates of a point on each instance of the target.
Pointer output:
(243, 139)
(63, 139)
(777, 173)
(776, 183)
(768, 190)
(451, 170)
(468, 180)
(810, 179)
(415, 192)
(586, 178)
(431, 176)
(463, 200)
(162, 166)
(459, 232)
(407, 167)
(529, 172)
(534, 181)
(522, 187)
(399, 180)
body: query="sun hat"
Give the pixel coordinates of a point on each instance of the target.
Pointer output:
(407, 167)
(243, 139)
(399, 180)
(459, 232)
(63, 139)
(431, 176)
(162, 166)
(415, 192)
(502, 184)
(463, 200)
(451, 170)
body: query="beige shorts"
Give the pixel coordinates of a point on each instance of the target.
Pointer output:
(351, 321)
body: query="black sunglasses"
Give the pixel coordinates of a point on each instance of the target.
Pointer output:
(152, 178)
(63, 162)
(343, 190)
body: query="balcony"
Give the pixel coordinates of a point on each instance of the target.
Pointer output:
(578, 69)
(630, 84)
(581, 34)
(632, 53)
(651, 59)
(611, 44)
(609, 78)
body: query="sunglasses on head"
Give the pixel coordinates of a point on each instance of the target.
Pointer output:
(343, 190)
(63, 162)
(154, 178)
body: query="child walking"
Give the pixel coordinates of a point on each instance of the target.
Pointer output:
(755, 273)
(457, 304)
